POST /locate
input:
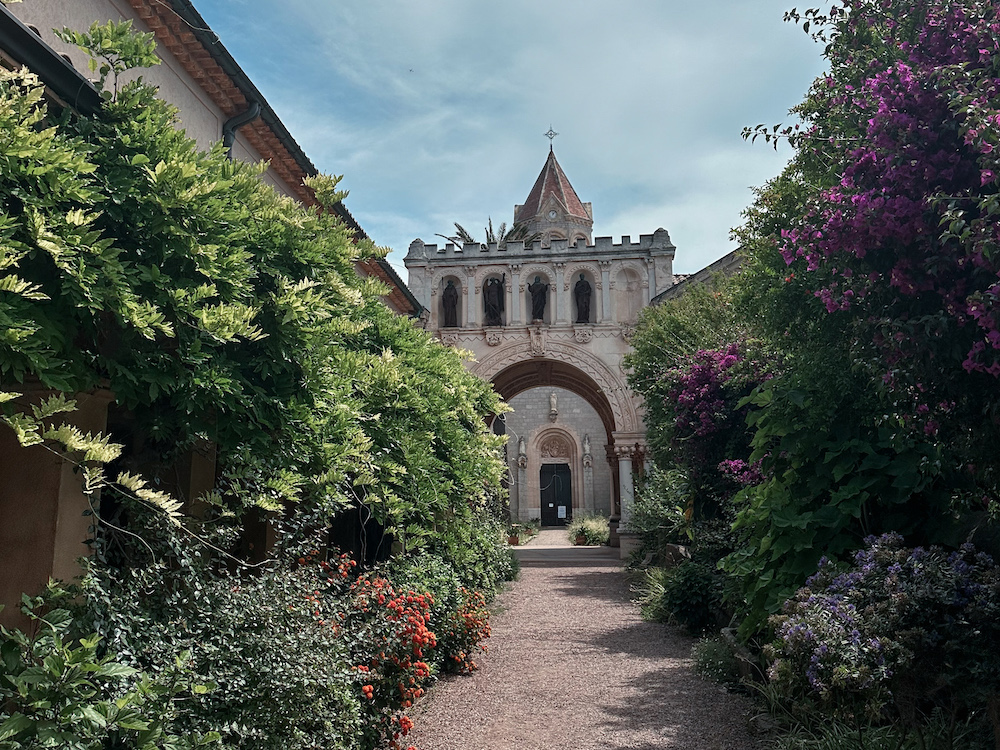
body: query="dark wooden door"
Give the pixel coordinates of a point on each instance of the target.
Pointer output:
(557, 495)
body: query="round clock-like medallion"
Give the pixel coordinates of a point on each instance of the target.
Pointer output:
(552, 214)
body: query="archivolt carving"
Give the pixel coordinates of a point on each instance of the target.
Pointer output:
(438, 278)
(529, 273)
(612, 385)
(631, 265)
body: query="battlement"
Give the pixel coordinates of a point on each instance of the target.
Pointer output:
(657, 243)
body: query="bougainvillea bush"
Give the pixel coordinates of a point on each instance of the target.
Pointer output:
(870, 261)
(896, 636)
(902, 238)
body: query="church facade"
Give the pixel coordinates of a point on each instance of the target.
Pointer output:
(549, 321)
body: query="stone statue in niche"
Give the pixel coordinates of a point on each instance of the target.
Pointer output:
(539, 296)
(493, 301)
(522, 453)
(582, 291)
(586, 444)
(449, 299)
(553, 407)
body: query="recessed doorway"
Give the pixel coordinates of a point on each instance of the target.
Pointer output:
(556, 494)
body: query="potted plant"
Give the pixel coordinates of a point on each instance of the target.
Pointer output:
(514, 534)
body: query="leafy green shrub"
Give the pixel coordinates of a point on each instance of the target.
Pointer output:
(899, 635)
(593, 528)
(831, 734)
(283, 680)
(59, 691)
(218, 311)
(714, 659)
(689, 595)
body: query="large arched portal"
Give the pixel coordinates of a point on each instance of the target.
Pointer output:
(541, 373)
(565, 425)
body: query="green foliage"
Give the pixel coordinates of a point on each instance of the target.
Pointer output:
(836, 473)
(59, 691)
(593, 528)
(282, 681)
(713, 658)
(219, 312)
(831, 734)
(689, 595)
(660, 514)
(113, 48)
(665, 337)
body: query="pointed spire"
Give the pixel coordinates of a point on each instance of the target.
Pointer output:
(552, 183)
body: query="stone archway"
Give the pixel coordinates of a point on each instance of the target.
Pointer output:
(520, 366)
(594, 488)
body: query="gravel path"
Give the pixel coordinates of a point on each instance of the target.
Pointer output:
(572, 665)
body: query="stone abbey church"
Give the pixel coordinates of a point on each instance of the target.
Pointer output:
(549, 323)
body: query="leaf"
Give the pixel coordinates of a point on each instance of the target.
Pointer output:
(15, 725)
(115, 670)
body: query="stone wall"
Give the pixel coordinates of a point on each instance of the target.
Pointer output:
(574, 421)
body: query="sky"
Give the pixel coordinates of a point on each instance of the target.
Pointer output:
(435, 110)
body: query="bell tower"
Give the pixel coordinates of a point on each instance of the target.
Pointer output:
(553, 210)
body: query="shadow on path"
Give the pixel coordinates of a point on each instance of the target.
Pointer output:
(572, 665)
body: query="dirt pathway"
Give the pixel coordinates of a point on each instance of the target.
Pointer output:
(572, 665)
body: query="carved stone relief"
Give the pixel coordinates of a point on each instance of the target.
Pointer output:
(554, 446)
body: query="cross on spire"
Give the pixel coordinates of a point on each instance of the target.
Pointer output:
(550, 135)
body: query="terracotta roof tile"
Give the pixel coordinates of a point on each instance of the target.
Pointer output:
(552, 182)
(200, 64)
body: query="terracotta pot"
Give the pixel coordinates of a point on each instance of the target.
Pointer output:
(581, 539)
(514, 539)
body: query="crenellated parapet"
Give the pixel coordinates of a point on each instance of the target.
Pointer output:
(623, 277)
(658, 243)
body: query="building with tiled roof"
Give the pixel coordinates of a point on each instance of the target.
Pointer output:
(216, 100)
(549, 322)
(553, 210)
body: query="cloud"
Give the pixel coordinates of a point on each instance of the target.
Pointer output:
(434, 109)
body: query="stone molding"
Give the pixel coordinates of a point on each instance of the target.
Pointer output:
(612, 386)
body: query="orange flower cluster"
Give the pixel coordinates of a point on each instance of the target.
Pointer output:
(467, 631)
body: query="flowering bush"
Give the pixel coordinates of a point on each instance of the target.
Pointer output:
(897, 634)
(900, 240)
(466, 632)
(871, 260)
(709, 436)
(387, 629)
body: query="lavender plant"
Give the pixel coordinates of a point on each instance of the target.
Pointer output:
(897, 635)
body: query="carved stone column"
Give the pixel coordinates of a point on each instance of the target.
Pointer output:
(588, 476)
(626, 485)
(516, 295)
(560, 315)
(472, 297)
(608, 312)
(521, 490)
